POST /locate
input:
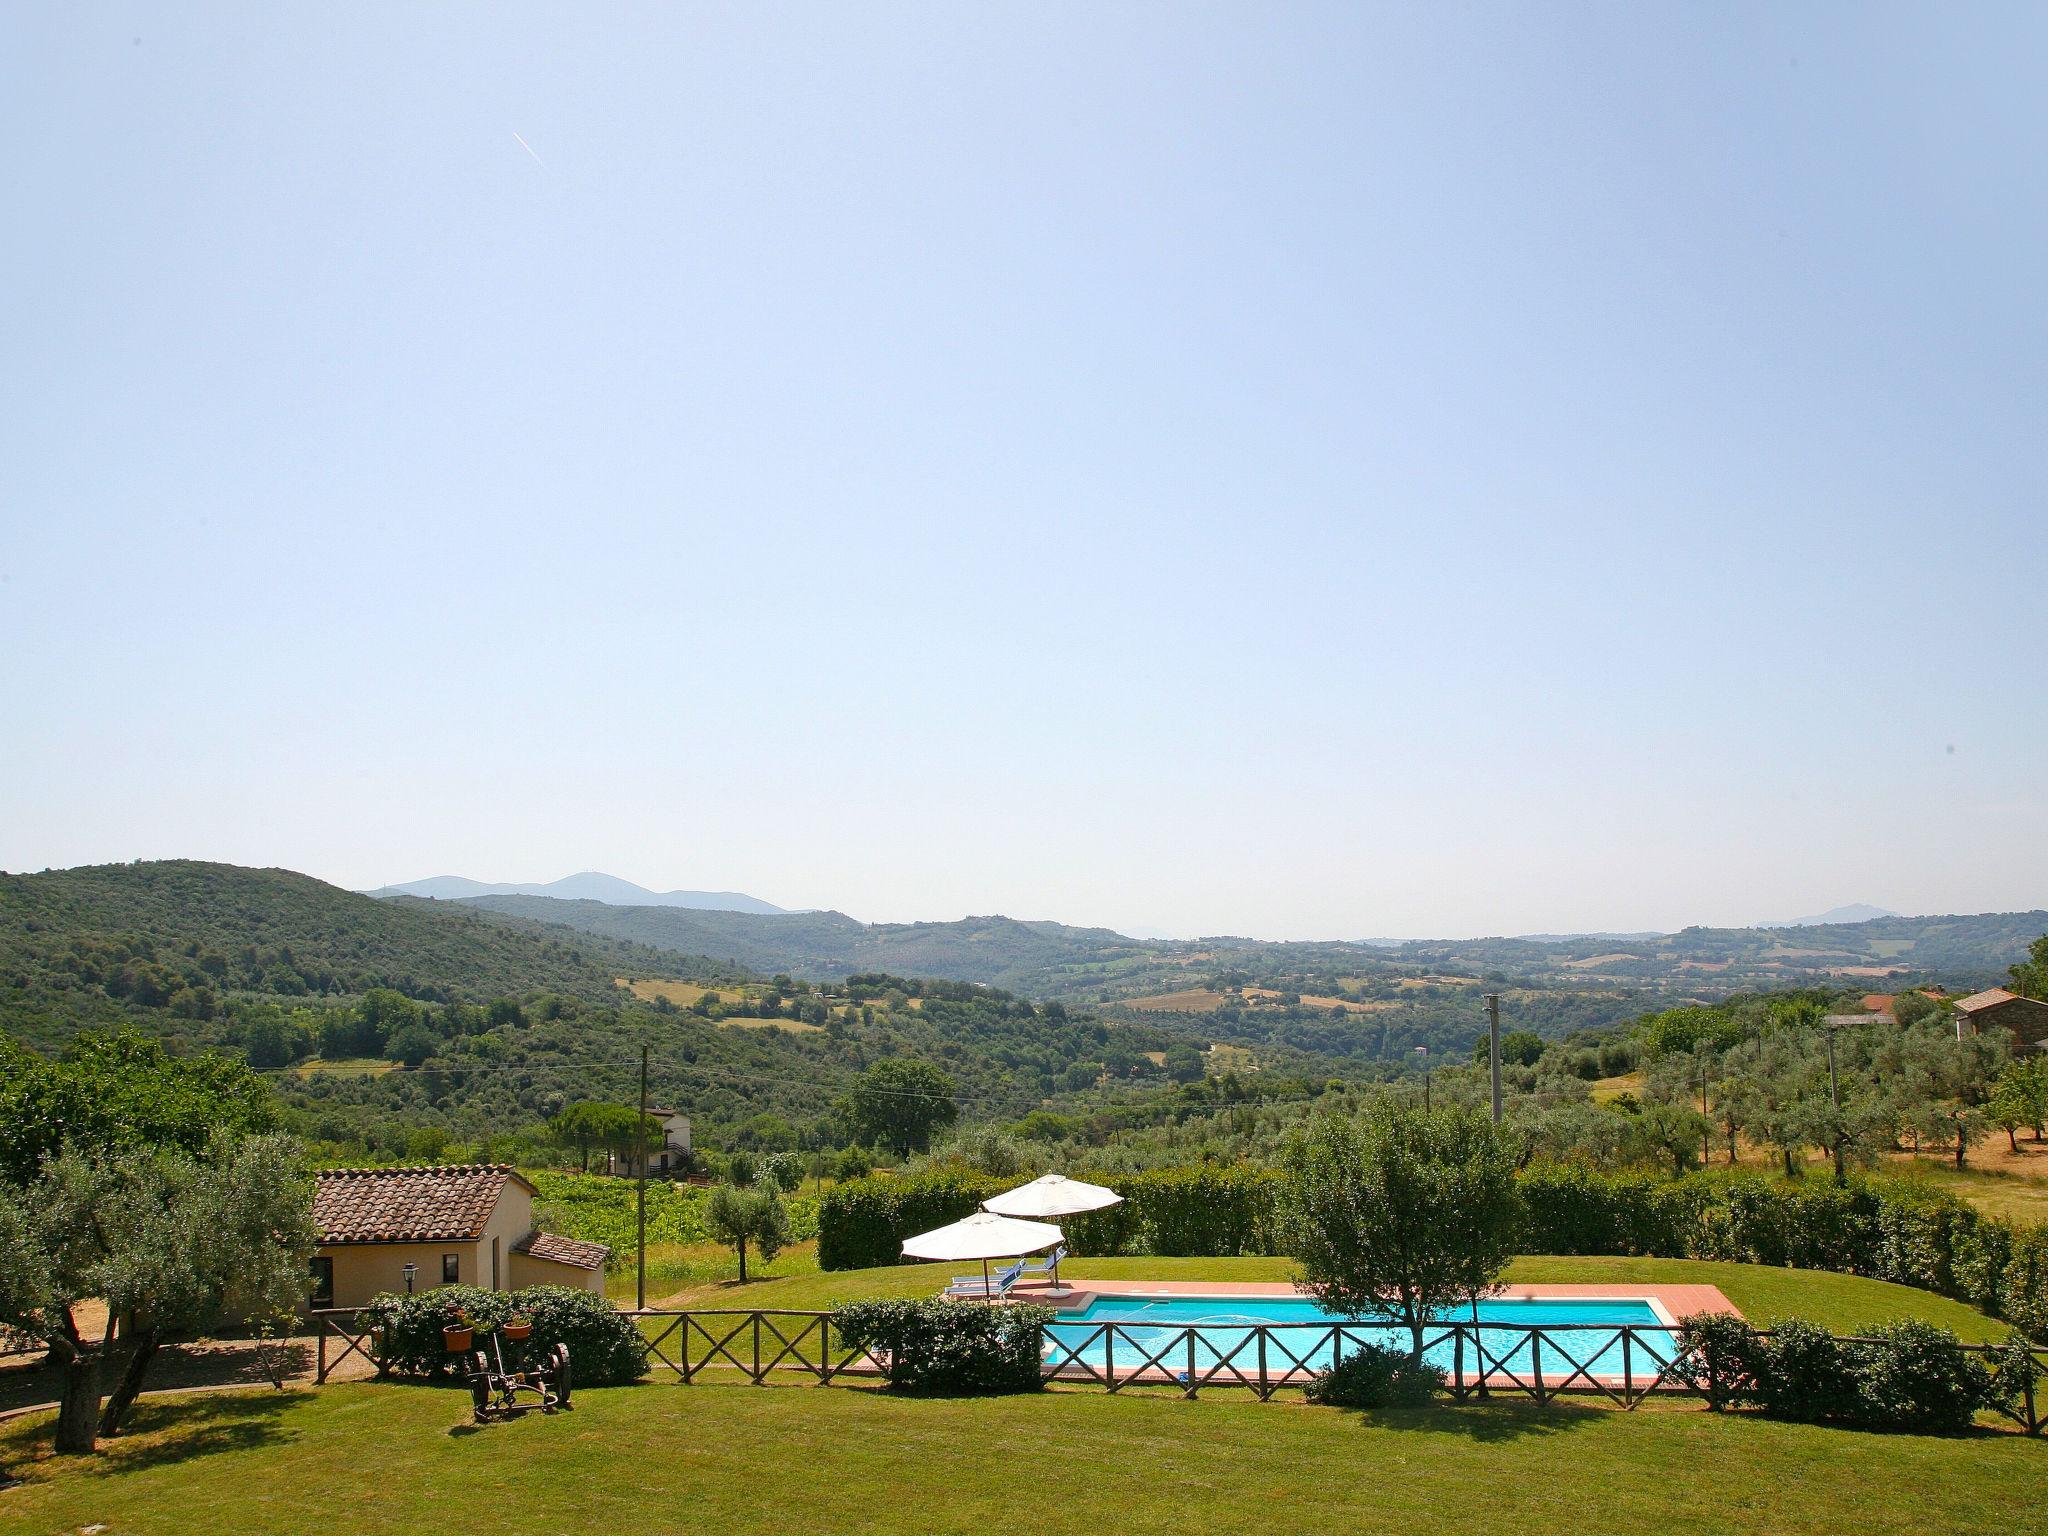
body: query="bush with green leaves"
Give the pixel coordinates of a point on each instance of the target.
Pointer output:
(1718, 1355)
(1373, 1377)
(934, 1345)
(1806, 1374)
(1911, 1375)
(605, 1348)
(862, 1223)
(1905, 1375)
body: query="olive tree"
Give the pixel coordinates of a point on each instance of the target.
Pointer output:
(738, 1217)
(1400, 1213)
(171, 1241)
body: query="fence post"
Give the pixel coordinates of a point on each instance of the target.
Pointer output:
(825, 1349)
(757, 1349)
(1109, 1355)
(1536, 1362)
(1265, 1390)
(1191, 1387)
(1458, 1361)
(1628, 1375)
(320, 1370)
(683, 1330)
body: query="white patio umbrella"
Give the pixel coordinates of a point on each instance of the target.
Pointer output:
(983, 1236)
(1053, 1195)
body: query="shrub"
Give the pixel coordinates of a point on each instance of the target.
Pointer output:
(1905, 1375)
(1720, 1356)
(1911, 1375)
(1373, 1377)
(950, 1346)
(1572, 1208)
(1805, 1373)
(605, 1347)
(1213, 1210)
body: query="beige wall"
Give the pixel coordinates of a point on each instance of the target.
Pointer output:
(366, 1270)
(528, 1270)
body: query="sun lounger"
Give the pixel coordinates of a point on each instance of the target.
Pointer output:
(1047, 1266)
(994, 1288)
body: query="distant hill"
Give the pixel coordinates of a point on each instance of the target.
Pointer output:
(164, 943)
(1855, 912)
(588, 886)
(1047, 959)
(998, 951)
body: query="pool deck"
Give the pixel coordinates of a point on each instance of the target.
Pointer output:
(1670, 1302)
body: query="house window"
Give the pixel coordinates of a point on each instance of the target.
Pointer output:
(323, 1280)
(451, 1269)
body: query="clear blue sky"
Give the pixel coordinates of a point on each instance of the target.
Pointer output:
(1287, 470)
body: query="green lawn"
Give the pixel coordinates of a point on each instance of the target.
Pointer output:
(1843, 1303)
(369, 1459)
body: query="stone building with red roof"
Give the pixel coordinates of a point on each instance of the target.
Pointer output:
(462, 1224)
(1997, 1008)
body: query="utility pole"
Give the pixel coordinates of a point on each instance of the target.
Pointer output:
(1493, 1040)
(640, 1219)
(1835, 1098)
(1423, 1052)
(1706, 1124)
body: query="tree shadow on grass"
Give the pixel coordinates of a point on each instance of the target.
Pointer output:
(1494, 1420)
(176, 1429)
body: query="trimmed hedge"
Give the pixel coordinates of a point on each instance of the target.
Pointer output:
(950, 1346)
(1928, 1240)
(1205, 1211)
(862, 1223)
(605, 1348)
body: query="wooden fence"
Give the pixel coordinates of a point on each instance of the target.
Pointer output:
(1621, 1362)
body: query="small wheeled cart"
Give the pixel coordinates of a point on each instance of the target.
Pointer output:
(534, 1379)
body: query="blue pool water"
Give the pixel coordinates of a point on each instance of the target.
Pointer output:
(1221, 1324)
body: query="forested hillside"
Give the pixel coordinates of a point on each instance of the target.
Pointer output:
(1047, 959)
(1040, 958)
(170, 945)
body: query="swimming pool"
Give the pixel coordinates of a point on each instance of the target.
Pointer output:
(1123, 1331)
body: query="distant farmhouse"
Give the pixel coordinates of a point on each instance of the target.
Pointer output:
(466, 1224)
(672, 1156)
(1998, 1008)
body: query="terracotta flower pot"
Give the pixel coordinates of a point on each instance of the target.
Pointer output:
(518, 1329)
(457, 1340)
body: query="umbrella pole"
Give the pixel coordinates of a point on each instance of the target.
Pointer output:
(985, 1282)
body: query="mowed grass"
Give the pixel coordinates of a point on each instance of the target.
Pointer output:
(1843, 1303)
(372, 1458)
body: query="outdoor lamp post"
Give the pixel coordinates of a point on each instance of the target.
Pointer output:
(409, 1270)
(1423, 1052)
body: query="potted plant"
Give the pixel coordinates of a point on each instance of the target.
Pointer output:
(458, 1334)
(517, 1329)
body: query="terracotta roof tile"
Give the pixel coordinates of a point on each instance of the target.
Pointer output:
(564, 1250)
(407, 1205)
(1989, 998)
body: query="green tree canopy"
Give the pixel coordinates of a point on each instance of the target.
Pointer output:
(116, 1091)
(900, 1103)
(1400, 1213)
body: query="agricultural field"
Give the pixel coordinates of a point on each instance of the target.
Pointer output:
(653, 989)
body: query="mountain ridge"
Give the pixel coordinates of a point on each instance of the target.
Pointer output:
(586, 885)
